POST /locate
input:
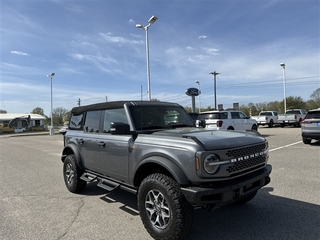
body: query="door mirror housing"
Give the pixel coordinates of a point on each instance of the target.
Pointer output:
(119, 128)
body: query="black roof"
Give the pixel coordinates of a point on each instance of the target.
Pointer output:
(116, 104)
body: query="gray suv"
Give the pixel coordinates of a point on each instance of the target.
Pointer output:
(154, 150)
(310, 126)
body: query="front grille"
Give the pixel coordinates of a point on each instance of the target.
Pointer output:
(248, 157)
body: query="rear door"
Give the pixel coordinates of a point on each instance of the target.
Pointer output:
(88, 141)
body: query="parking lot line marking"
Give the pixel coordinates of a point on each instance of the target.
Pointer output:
(284, 146)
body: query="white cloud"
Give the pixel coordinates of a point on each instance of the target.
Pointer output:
(20, 53)
(114, 39)
(202, 36)
(211, 51)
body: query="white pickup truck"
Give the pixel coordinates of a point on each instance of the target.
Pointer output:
(266, 118)
(292, 117)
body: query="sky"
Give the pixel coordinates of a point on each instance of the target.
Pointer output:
(98, 54)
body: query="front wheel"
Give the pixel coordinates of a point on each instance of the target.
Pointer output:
(164, 211)
(72, 174)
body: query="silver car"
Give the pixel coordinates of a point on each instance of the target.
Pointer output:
(310, 126)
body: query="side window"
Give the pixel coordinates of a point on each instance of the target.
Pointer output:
(92, 121)
(223, 115)
(242, 115)
(235, 115)
(76, 121)
(113, 115)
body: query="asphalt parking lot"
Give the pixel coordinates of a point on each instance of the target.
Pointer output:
(35, 204)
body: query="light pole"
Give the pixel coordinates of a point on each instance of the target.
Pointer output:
(215, 88)
(150, 22)
(284, 86)
(199, 92)
(51, 129)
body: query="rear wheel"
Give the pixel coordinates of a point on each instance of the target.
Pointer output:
(299, 123)
(306, 140)
(72, 174)
(164, 211)
(271, 123)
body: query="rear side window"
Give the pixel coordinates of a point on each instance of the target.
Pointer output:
(217, 115)
(92, 121)
(76, 121)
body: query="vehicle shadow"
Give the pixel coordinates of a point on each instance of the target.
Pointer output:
(265, 217)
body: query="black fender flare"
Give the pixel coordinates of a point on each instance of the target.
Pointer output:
(75, 150)
(177, 173)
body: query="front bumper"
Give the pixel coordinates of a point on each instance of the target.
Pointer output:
(227, 192)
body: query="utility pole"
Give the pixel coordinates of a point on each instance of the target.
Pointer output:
(215, 88)
(79, 102)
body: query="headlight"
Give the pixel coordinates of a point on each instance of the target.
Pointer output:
(210, 163)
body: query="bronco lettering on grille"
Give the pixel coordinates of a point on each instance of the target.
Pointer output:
(239, 159)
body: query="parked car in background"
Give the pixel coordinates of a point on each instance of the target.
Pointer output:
(63, 130)
(292, 117)
(310, 126)
(266, 118)
(226, 120)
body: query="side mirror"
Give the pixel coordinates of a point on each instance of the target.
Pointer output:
(119, 128)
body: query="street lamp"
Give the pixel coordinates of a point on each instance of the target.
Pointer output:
(51, 129)
(284, 86)
(215, 88)
(150, 22)
(199, 92)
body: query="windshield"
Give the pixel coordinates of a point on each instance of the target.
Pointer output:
(160, 117)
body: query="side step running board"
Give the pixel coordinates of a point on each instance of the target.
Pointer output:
(105, 183)
(108, 185)
(88, 177)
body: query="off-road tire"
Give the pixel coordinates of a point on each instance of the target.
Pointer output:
(164, 211)
(246, 198)
(72, 174)
(306, 140)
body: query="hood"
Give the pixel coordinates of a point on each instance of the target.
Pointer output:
(215, 139)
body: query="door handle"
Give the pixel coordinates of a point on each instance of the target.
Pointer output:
(80, 141)
(101, 144)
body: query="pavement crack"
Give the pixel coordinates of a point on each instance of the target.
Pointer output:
(73, 220)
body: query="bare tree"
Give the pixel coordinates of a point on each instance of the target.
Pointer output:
(57, 115)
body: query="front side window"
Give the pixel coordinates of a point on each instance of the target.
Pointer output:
(92, 121)
(113, 115)
(242, 115)
(235, 115)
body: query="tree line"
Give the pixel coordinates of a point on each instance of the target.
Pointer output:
(291, 103)
(61, 115)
